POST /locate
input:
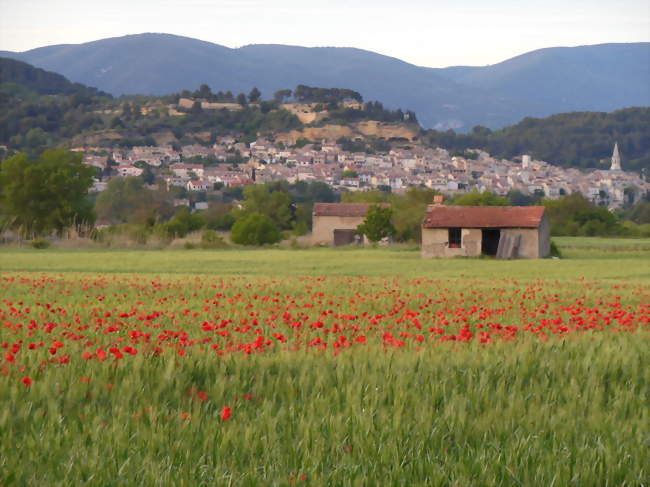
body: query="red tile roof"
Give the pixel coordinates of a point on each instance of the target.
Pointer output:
(439, 216)
(343, 209)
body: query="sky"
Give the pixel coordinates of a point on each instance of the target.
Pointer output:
(433, 33)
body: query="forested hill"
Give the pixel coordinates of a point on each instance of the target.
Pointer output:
(13, 72)
(578, 139)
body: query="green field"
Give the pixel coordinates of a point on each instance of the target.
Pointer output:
(339, 367)
(591, 258)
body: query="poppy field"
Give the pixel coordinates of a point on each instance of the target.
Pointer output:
(206, 379)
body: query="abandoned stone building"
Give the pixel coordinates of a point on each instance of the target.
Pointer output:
(336, 223)
(507, 232)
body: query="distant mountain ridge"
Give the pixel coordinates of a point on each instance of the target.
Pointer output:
(539, 83)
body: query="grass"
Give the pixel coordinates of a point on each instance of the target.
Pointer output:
(535, 415)
(536, 405)
(608, 264)
(604, 243)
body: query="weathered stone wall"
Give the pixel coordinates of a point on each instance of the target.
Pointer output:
(534, 244)
(435, 243)
(323, 227)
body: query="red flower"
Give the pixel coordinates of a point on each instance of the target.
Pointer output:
(225, 413)
(27, 381)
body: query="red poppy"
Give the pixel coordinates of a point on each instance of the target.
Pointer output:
(27, 381)
(225, 413)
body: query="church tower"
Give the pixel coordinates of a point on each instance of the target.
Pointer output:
(616, 159)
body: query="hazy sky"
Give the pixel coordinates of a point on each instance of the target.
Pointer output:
(424, 32)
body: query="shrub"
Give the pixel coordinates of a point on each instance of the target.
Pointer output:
(211, 240)
(555, 250)
(40, 243)
(221, 222)
(255, 229)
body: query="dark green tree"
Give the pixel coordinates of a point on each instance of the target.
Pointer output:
(184, 222)
(47, 194)
(204, 91)
(196, 108)
(282, 95)
(255, 229)
(475, 198)
(377, 224)
(517, 198)
(254, 95)
(274, 204)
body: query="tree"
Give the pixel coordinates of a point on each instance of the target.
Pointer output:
(126, 200)
(282, 95)
(486, 198)
(576, 215)
(517, 198)
(372, 196)
(241, 99)
(377, 224)
(408, 210)
(118, 202)
(35, 138)
(255, 229)
(204, 91)
(274, 204)
(184, 222)
(46, 194)
(148, 175)
(254, 95)
(196, 109)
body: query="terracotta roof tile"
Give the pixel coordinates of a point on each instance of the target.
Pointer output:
(483, 216)
(343, 209)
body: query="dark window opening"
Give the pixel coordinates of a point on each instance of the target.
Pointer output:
(455, 238)
(490, 241)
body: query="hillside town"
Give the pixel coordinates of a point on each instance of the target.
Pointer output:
(200, 168)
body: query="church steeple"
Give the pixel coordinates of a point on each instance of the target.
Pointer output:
(616, 159)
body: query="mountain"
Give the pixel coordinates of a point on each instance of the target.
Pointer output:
(601, 77)
(539, 83)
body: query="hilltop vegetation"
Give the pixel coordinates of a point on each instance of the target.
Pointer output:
(13, 72)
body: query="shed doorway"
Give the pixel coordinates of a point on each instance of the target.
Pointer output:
(346, 237)
(490, 241)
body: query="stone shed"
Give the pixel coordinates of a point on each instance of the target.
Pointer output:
(507, 232)
(336, 223)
